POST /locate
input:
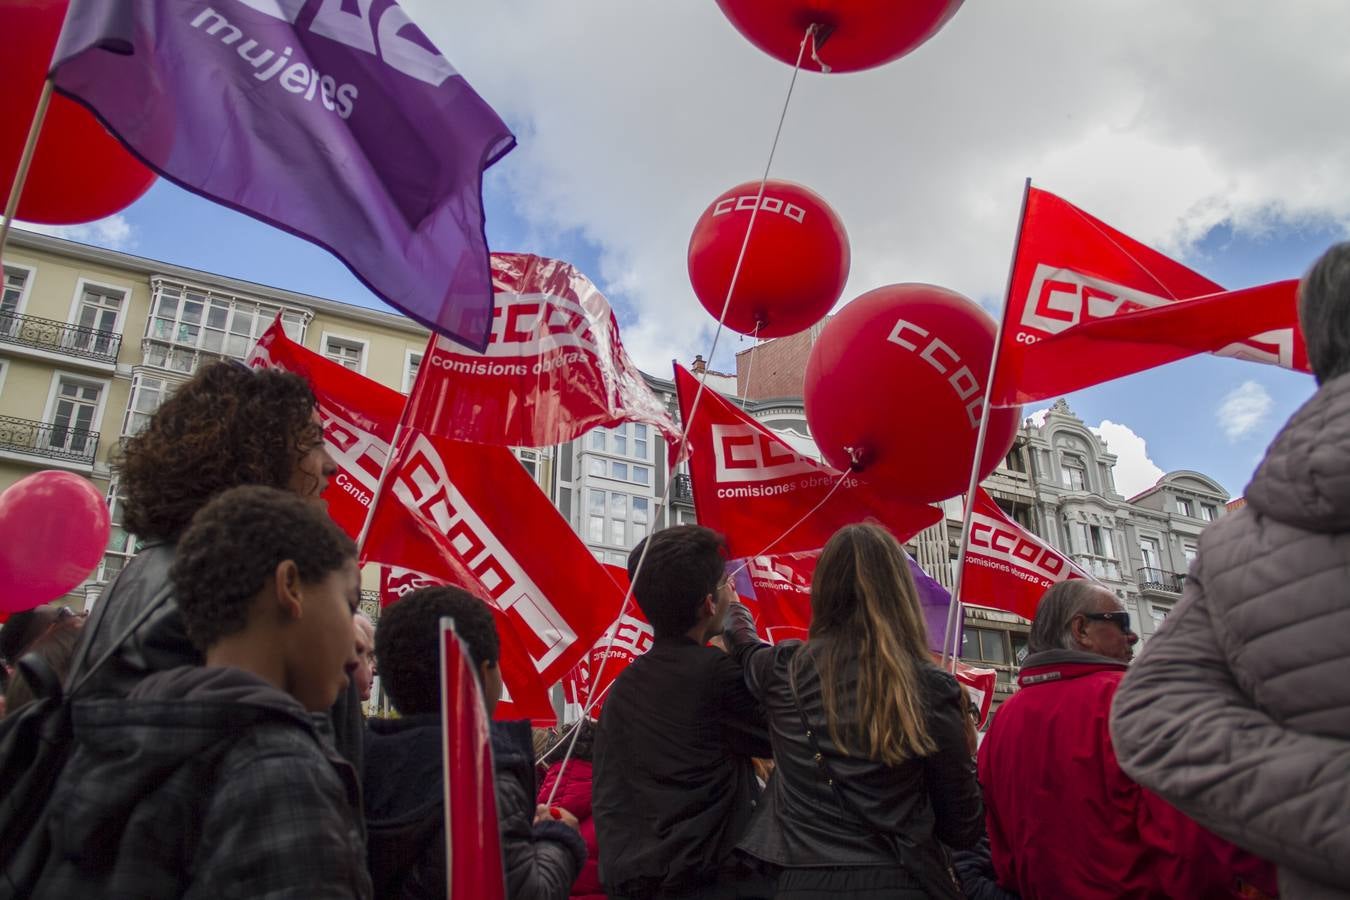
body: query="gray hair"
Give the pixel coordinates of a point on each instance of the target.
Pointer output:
(1324, 313)
(1052, 629)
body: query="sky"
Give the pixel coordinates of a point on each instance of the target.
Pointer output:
(1214, 132)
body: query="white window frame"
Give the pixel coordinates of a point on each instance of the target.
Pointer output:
(137, 379)
(82, 283)
(350, 339)
(48, 412)
(4, 370)
(1185, 507)
(27, 284)
(408, 354)
(1209, 512)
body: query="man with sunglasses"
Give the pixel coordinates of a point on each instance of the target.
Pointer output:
(1063, 819)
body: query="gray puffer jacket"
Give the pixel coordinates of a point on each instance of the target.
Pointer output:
(1238, 710)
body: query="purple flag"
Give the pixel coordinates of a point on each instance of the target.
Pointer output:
(336, 121)
(780, 585)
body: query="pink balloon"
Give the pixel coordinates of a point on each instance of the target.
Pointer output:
(53, 531)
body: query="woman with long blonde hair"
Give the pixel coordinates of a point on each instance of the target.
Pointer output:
(873, 769)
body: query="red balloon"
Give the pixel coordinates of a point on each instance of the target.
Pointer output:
(53, 531)
(794, 268)
(79, 171)
(894, 386)
(853, 34)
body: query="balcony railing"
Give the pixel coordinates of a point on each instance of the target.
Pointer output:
(682, 490)
(1159, 580)
(59, 337)
(48, 441)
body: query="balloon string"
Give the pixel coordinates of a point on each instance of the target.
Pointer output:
(750, 367)
(793, 527)
(693, 409)
(25, 161)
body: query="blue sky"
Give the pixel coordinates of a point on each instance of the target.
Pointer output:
(1201, 132)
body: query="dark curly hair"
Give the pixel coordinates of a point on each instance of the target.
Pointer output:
(235, 544)
(684, 565)
(229, 425)
(407, 638)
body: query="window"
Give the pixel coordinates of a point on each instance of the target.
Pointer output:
(597, 466)
(98, 311)
(413, 363)
(615, 518)
(530, 460)
(184, 320)
(1208, 513)
(1148, 549)
(1101, 541)
(640, 440)
(74, 414)
(618, 470)
(1185, 508)
(1015, 461)
(1189, 551)
(641, 475)
(598, 439)
(1072, 473)
(347, 352)
(1019, 647)
(985, 645)
(11, 297)
(122, 545)
(147, 393)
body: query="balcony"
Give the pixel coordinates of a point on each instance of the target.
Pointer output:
(48, 336)
(1159, 580)
(682, 490)
(62, 445)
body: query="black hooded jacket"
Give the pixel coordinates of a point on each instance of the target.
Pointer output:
(405, 814)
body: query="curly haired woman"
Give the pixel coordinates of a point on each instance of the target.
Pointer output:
(226, 427)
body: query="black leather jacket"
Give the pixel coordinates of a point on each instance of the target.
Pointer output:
(802, 824)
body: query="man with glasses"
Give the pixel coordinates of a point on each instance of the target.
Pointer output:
(1063, 819)
(673, 783)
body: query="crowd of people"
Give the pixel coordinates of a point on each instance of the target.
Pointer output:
(217, 746)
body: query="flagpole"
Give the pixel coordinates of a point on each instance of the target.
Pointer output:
(393, 445)
(25, 161)
(949, 639)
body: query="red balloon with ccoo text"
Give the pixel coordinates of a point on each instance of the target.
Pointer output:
(894, 386)
(851, 35)
(79, 171)
(795, 265)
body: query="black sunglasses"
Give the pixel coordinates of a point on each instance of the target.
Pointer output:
(1120, 618)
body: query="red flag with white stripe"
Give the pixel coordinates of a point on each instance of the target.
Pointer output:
(752, 486)
(554, 366)
(1008, 567)
(1088, 304)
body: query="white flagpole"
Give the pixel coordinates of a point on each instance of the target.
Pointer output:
(953, 611)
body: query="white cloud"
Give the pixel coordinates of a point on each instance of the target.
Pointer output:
(1243, 410)
(1134, 470)
(114, 232)
(1037, 417)
(1162, 118)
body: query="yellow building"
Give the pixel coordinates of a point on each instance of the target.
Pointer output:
(93, 340)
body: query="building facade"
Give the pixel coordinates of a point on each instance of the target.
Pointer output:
(93, 340)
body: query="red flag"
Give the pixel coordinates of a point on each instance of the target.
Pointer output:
(1007, 567)
(524, 695)
(1088, 304)
(781, 586)
(979, 685)
(469, 514)
(627, 638)
(553, 369)
(751, 485)
(473, 847)
(359, 419)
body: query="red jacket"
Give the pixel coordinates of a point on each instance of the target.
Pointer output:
(1065, 821)
(574, 795)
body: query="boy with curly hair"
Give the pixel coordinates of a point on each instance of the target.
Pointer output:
(218, 780)
(405, 813)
